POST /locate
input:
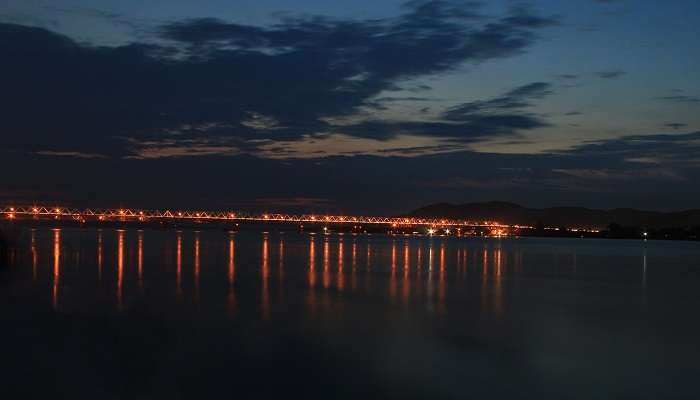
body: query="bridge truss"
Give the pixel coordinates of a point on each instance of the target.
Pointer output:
(127, 214)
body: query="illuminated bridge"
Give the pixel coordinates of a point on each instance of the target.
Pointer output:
(126, 214)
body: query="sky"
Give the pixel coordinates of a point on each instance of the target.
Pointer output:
(356, 107)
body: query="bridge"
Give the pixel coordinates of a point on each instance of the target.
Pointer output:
(134, 215)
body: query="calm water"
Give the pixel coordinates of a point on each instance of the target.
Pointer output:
(165, 314)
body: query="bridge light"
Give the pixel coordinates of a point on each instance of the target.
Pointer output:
(12, 209)
(447, 231)
(58, 211)
(431, 231)
(36, 210)
(179, 214)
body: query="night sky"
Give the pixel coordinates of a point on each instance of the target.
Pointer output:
(360, 106)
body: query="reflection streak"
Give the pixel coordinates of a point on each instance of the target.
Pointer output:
(196, 267)
(354, 266)
(406, 268)
(392, 281)
(99, 255)
(140, 259)
(56, 266)
(441, 282)
(231, 298)
(265, 271)
(178, 265)
(120, 267)
(340, 277)
(326, 264)
(498, 289)
(35, 259)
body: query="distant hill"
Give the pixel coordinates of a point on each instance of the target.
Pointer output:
(510, 213)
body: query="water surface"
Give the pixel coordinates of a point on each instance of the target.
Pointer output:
(183, 314)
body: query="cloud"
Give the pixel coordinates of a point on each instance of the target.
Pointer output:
(624, 175)
(515, 99)
(680, 98)
(74, 154)
(612, 74)
(295, 75)
(680, 150)
(675, 125)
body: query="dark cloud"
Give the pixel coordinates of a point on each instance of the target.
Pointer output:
(467, 122)
(573, 113)
(669, 149)
(467, 128)
(613, 74)
(658, 171)
(680, 98)
(501, 115)
(675, 125)
(73, 97)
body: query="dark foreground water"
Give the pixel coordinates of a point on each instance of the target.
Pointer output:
(166, 314)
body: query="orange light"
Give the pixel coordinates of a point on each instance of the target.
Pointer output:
(58, 210)
(35, 209)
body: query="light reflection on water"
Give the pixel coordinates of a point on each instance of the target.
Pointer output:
(542, 314)
(451, 264)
